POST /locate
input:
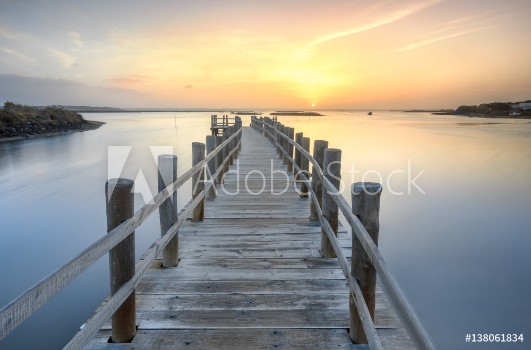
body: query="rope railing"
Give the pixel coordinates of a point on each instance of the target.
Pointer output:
(273, 131)
(22, 307)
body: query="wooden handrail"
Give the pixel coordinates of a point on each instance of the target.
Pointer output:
(390, 285)
(365, 316)
(94, 324)
(19, 309)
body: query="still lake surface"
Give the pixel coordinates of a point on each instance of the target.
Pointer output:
(455, 220)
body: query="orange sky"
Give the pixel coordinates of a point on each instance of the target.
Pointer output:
(291, 54)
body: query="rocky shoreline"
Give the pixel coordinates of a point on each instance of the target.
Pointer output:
(23, 122)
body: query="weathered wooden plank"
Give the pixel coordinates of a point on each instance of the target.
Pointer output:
(227, 319)
(271, 263)
(255, 240)
(251, 286)
(224, 339)
(220, 274)
(281, 302)
(271, 214)
(255, 253)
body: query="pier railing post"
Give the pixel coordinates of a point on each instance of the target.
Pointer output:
(332, 171)
(225, 153)
(366, 206)
(239, 123)
(279, 140)
(317, 186)
(198, 183)
(210, 146)
(298, 155)
(276, 129)
(230, 145)
(305, 167)
(219, 158)
(270, 128)
(168, 209)
(282, 145)
(285, 147)
(120, 207)
(290, 133)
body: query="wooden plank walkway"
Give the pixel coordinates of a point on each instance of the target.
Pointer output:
(251, 275)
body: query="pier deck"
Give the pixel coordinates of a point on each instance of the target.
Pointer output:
(250, 275)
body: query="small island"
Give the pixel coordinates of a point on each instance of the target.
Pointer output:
(487, 110)
(296, 113)
(21, 122)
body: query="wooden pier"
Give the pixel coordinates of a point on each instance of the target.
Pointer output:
(250, 271)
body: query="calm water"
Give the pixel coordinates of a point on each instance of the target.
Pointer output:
(457, 237)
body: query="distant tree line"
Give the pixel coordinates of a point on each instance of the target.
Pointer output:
(495, 108)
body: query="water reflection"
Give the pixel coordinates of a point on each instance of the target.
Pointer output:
(464, 243)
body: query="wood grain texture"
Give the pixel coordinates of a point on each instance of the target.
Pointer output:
(168, 209)
(332, 172)
(120, 203)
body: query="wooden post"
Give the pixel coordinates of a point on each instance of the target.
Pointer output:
(270, 128)
(305, 166)
(219, 158)
(213, 122)
(285, 144)
(275, 136)
(198, 184)
(225, 153)
(120, 207)
(239, 121)
(290, 133)
(229, 146)
(281, 142)
(366, 206)
(278, 143)
(298, 140)
(210, 146)
(317, 186)
(168, 209)
(332, 171)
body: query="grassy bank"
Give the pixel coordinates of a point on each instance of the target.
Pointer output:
(19, 121)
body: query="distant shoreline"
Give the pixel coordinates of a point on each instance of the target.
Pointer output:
(450, 112)
(296, 114)
(511, 110)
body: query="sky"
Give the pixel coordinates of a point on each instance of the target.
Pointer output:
(344, 54)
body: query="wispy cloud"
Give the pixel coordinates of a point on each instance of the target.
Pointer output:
(434, 40)
(14, 35)
(65, 59)
(119, 37)
(390, 18)
(131, 80)
(75, 38)
(18, 55)
(6, 33)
